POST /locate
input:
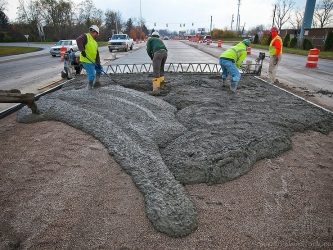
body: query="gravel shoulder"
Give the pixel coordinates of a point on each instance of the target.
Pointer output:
(61, 188)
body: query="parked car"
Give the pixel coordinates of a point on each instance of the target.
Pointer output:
(68, 44)
(120, 42)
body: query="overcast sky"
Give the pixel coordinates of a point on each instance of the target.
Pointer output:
(176, 12)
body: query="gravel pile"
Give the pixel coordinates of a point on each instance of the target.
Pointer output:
(195, 132)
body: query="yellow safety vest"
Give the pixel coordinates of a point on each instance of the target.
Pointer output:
(237, 53)
(90, 49)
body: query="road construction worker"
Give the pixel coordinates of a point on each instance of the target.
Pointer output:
(275, 51)
(231, 60)
(158, 53)
(89, 56)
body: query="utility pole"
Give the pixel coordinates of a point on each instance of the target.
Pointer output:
(307, 19)
(140, 15)
(232, 21)
(238, 18)
(140, 21)
(274, 15)
(243, 29)
(117, 25)
(211, 21)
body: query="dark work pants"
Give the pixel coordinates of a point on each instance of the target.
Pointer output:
(159, 60)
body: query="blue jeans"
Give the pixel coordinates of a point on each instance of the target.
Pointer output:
(91, 68)
(229, 68)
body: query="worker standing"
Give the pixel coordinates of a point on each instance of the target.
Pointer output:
(275, 51)
(89, 56)
(158, 53)
(231, 60)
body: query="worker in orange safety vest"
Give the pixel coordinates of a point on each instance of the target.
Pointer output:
(275, 51)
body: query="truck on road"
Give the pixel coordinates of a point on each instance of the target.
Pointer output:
(120, 42)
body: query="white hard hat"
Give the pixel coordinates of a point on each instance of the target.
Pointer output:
(94, 28)
(155, 33)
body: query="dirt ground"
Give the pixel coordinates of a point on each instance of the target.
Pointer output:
(61, 189)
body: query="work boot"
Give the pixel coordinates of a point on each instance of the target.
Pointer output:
(97, 81)
(156, 86)
(97, 78)
(90, 84)
(162, 80)
(233, 87)
(224, 82)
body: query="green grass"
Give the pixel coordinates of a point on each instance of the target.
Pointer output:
(322, 54)
(15, 50)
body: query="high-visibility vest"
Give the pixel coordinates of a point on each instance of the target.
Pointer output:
(272, 49)
(237, 53)
(90, 49)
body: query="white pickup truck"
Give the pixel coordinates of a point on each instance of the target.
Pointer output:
(120, 42)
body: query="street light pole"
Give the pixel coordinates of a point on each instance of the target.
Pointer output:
(238, 18)
(140, 21)
(140, 15)
(211, 21)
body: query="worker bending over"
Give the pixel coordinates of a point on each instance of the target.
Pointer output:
(158, 53)
(231, 60)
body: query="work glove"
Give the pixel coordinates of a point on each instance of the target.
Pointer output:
(83, 53)
(275, 60)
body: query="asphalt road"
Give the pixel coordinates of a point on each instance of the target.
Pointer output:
(33, 72)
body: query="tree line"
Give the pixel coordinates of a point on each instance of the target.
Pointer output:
(51, 20)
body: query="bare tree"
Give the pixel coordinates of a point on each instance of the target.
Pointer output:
(3, 17)
(88, 14)
(323, 13)
(283, 12)
(28, 13)
(56, 13)
(113, 21)
(297, 19)
(3, 4)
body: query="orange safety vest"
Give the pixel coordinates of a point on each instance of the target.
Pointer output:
(272, 49)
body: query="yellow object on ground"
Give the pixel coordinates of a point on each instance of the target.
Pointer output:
(156, 85)
(162, 81)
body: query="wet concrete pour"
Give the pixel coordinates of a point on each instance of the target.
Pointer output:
(196, 131)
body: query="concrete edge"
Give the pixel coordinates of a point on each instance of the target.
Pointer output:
(312, 103)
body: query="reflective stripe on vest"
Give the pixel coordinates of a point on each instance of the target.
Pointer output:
(272, 49)
(234, 52)
(90, 49)
(237, 53)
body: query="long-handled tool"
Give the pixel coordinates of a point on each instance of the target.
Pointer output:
(100, 66)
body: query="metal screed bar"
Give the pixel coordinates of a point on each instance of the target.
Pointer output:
(204, 68)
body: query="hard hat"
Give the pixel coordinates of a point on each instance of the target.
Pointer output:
(155, 33)
(94, 28)
(274, 29)
(247, 42)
